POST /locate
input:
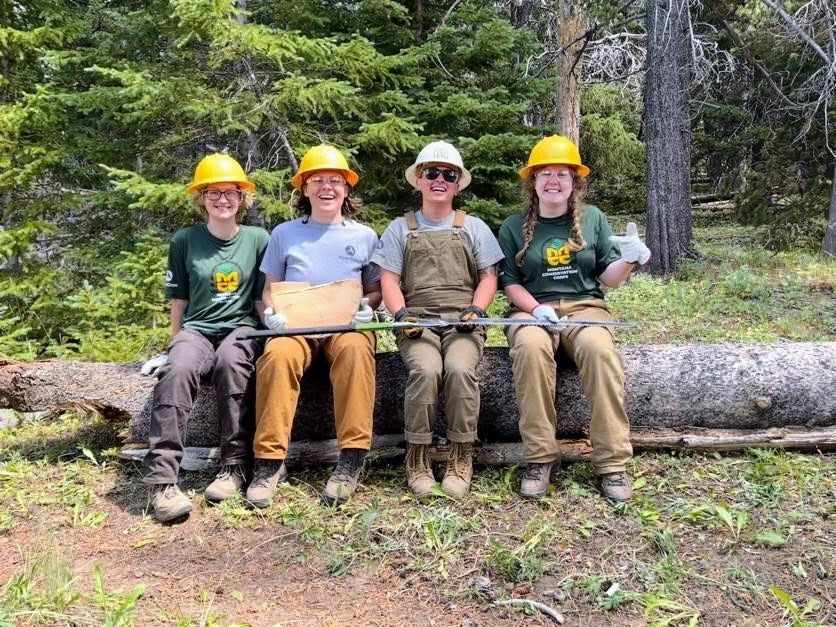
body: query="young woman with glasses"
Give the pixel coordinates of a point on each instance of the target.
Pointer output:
(214, 287)
(439, 262)
(324, 244)
(559, 255)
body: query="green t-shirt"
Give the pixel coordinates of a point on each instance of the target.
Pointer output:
(219, 278)
(550, 271)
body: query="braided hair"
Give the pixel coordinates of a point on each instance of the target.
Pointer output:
(531, 216)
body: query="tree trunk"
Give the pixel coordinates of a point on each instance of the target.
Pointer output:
(307, 453)
(828, 246)
(668, 134)
(572, 24)
(715, 386)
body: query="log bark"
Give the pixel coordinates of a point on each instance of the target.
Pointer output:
(714, 386)
(307, 453)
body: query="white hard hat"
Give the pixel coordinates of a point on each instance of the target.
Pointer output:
(438, 152)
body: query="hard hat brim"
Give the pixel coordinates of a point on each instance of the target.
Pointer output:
(298, 179)
(411, 174)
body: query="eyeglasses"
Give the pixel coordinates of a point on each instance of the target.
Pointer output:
(562, 175)
(231, 195)
(451, 176)
(321, 180)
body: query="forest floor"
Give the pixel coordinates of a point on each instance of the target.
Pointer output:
(731, 539)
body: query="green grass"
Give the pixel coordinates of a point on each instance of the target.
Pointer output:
(709, 538)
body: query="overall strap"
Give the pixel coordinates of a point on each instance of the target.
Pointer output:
(411, 220)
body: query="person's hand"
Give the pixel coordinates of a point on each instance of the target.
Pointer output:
(153, 365)
(364, 312)
(548, 314)
(404, 315)
(632, 248)
(274, 319)
(469, 313)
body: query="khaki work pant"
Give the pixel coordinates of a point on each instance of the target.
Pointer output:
(279, 374)
(532, 351)
(448, 358)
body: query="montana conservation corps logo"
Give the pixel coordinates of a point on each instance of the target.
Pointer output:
(556, 253)
(227, 277)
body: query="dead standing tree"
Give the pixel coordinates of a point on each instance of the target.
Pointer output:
(668, 133)
(815, 22)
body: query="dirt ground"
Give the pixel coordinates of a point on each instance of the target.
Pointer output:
(709, 539)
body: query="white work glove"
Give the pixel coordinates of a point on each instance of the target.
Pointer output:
(632, 248)
(547, 314)
(274, 319)
(152, 365)
(364, 312)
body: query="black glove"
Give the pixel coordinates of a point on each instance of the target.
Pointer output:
(404, 315)
(469, 313)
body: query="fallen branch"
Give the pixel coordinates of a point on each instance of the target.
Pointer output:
(557, 616)
(308, 452)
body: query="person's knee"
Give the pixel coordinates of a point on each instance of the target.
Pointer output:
(279, 355)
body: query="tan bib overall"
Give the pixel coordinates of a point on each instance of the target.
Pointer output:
(439, 277)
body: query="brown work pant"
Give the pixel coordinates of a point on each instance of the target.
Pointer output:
(532, 351)
(448, 358)
(279, 374)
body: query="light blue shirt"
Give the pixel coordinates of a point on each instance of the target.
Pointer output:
(306, 250)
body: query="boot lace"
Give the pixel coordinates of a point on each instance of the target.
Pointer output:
(230, 470)
(346, 468)
(164, 491)
(264, 471)
(461, 460)
(616, 479)
(534, 472)
(418, 462)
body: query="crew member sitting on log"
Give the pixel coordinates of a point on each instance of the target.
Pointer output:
(435, 262)
(214, 286)
(558, 254)
(325, 244)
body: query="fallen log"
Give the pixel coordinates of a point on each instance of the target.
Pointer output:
(711, 386)
(308, 453)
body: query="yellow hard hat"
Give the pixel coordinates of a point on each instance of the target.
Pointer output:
(219, 168)
(555, 150)
(323, 157)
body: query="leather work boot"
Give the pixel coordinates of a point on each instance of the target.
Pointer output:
(269, 473)
(419, 473)
(227, 483)
(616, 486)
(168, 502)
(459, 471)
(536, 480)
(343, 481)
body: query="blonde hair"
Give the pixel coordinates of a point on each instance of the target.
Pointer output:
(246, 202)
(531, 216)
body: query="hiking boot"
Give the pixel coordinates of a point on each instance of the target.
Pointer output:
(343, 481)
(419, 473)
(168, 502)
(269, 473)
(227, 483)
(456, 482)
(536, 480)
(616, 486)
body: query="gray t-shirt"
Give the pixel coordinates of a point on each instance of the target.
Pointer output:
(483, 244)
(306, 250)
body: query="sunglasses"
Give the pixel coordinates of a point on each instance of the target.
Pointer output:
(451, 176)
